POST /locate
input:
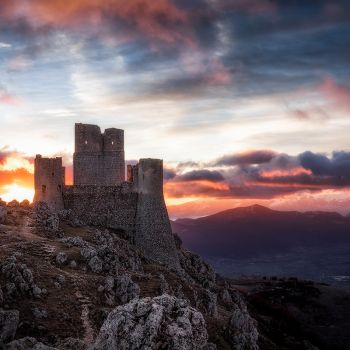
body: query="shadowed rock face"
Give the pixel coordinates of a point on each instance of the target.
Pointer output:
(8, 325)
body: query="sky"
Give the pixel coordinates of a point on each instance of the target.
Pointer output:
(247, 101)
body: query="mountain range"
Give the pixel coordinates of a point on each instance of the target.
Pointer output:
(257, 240)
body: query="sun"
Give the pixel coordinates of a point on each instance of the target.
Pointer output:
(19, 193)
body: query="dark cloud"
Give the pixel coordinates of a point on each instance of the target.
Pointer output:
(236, 39)
(168, 173)
(337, 166)
(250, 157)
(201, 175)
(263, 174)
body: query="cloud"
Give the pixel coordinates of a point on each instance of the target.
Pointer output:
(158, 19)
(249, 157)
(7, 97)
(201, 175)
(262, 174)
(338, 94)
(4, 45)
(19, 63)
(168, 173)
(311, 114)
(337, 166)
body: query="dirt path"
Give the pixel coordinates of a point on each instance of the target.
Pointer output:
(26, 231)
(85, 303)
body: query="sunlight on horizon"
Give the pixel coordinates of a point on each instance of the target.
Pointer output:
(16, 192)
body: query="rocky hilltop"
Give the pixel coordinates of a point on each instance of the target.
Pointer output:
(67, 286)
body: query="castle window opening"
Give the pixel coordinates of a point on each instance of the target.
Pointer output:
(112, 142)
(43, 188)
(59, 188)
(85, 142)
(53, 174)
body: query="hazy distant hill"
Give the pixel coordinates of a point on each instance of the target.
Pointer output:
(258, 240)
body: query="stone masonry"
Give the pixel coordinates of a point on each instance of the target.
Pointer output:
(100, 196)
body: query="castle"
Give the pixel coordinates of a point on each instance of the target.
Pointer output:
(100, 196)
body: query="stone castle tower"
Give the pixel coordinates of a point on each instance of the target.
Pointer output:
(99, 158)
(100, 196)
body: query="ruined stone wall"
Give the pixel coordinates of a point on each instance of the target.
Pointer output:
(99, 159)
(153, 232)
(107, 206)
(49, 179)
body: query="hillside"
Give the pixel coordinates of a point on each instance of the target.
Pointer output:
(64, 286)
(258, 240)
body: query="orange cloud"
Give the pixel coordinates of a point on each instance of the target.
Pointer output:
(285, 172)
(158, 19)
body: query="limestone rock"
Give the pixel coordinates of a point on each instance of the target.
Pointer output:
(120, 289)
(75, 242)
(164, 322)
(206, 301)
(47, 219)
(242, 328)
(61, 258)
(197, 269)
(8, 325)
(95, 264)
(39, 313)
(19, 279)
(27, 343)
(3, 214)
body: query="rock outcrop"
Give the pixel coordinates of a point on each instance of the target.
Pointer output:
(119, 290)
(8, 325)
(27, 343)
(153, 323)
(47, 219)
(19, 279)
(242, 328)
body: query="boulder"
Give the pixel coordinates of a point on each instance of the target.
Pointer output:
(95, 264)
(47, 219)
(27, 343)
(19, 279)
(120, 289)
(163, 322)
(8, 325)
(61, 258)
(242, 328)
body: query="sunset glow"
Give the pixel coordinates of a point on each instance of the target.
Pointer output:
(13, 191)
